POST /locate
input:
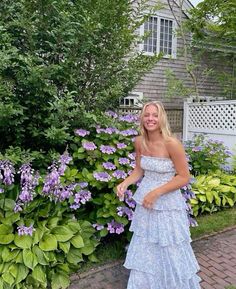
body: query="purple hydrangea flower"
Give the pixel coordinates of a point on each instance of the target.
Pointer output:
(111, 113)
(129, 172)
(121, 145)
(82, 197)
(197, 149)
(98, 227)
(108, 130)
(128, 118)
(64, 160)
(119, 174)
(23, 230)
(1, 190)
(18, 208)
(124, 211)
(52, 180)
(89, 146)
(128, 198)
(114, 227)
(132, 156)
(107, 149)
(132, 164)
(192, 222)
(102, 176)
(111, 130)
(8, 171)
(82, 132)
(109, 166)
(129, 132)
(28, 181)
(124, 161)
(83, 185)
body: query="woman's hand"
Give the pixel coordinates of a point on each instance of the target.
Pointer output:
(120, 190)
(150, 199)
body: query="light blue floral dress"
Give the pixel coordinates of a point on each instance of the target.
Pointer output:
(160, 255)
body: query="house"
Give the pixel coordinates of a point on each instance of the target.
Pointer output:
(169, 80)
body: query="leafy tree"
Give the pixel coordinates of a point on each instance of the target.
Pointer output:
(215, 21)
(213, 26)
(61, 59)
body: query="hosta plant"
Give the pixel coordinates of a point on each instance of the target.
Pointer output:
(42, 239)
(213, 192)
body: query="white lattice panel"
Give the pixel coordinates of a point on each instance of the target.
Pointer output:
(212, 116)
(215, 119)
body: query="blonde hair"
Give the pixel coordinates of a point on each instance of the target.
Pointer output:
(163, 122)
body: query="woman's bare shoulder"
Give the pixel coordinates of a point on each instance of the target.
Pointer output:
(138, 139)
(138, 143)
(173, 142)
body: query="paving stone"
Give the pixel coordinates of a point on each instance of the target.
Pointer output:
(215, 253)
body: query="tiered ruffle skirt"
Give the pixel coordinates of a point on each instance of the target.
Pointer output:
(160, 255)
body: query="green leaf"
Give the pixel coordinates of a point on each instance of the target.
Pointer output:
(19, 258)
(87, 250)
(42, 258)
(77, 241)
(209, 196)
(37, 236)
(225, 189)
(30, 259)
(11, 218)
(60, 281)
(52, 222)
(23, 242)
(74, 226)
(6, 239)
(39, 275)
(214, 182)
(8, 278)
(22, 273)
(202, 198)
(230, 201)
(65, 247)
(93, 258)
(8, 255)
(7, 204)
(5, 229)
(48, 243)
(103, 232)
(74, 256)
(62, 233)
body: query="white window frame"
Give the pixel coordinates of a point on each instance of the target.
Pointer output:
(135, 96)
(160, 16)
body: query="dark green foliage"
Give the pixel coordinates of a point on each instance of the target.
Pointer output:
(59, 59)
(213, 24)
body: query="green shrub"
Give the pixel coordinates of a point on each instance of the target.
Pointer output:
(60, 59)
(213, 192)
(42, 238)
(206, 155)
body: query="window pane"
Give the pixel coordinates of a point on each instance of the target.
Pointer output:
(166, 36)
(150, 27)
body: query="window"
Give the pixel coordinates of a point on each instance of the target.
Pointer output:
(132, 100)
(161, 37)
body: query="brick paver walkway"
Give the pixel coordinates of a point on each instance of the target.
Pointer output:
(216, 255)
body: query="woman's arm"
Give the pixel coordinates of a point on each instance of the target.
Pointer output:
(177, 155)
(137, 172)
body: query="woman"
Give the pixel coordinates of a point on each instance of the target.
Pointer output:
(159, 255)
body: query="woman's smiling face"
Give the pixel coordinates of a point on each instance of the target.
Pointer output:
(150, 118)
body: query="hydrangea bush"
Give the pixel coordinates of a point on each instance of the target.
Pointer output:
(206, 155)
(51, 222)
(214, 185)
